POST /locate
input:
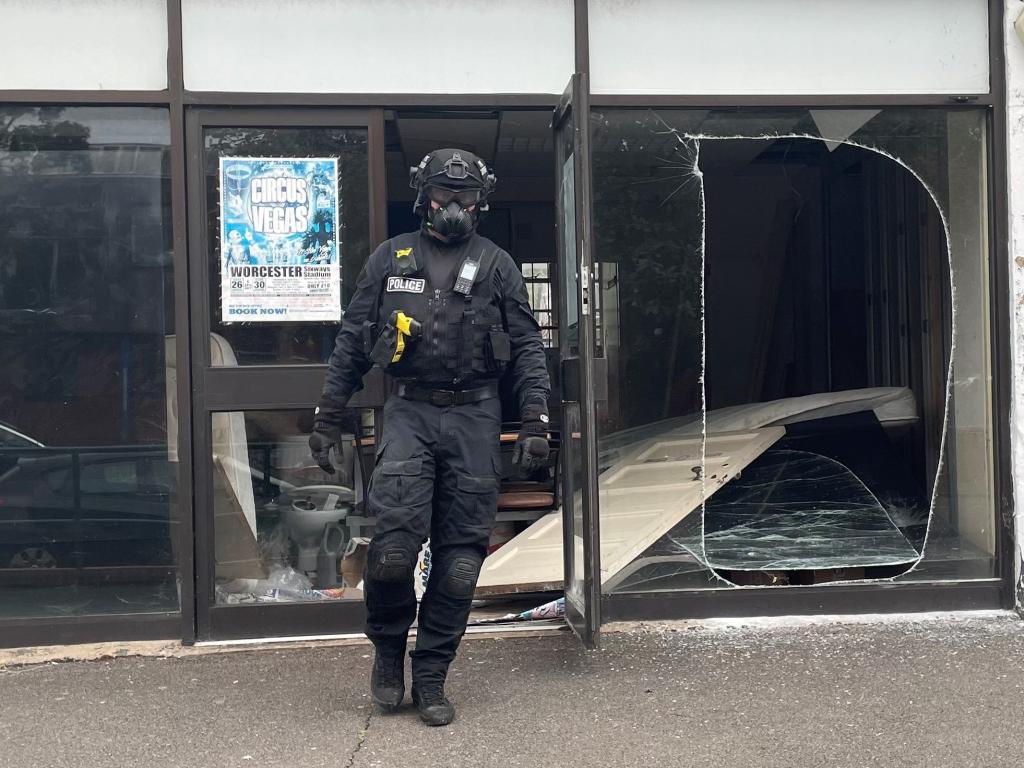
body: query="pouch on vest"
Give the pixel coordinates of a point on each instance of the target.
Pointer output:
(497, 350)
(369, 337)
(397, 335)
(384, 348)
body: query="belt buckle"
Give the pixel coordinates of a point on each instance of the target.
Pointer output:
(442, 397)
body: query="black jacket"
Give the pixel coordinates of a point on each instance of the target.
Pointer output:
(450, 354)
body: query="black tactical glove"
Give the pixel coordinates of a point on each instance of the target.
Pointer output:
(531, 451)
(326, 434)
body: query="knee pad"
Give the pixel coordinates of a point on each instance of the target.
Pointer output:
(390, 561)
(460, 576)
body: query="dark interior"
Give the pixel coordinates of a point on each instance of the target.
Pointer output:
(825, 270)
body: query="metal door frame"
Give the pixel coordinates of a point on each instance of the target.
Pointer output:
(577, 371)
(257, 387)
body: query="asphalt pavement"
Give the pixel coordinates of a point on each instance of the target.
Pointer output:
(906, 691)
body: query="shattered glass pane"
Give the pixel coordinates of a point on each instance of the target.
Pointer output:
(794, 510)
(830, 305)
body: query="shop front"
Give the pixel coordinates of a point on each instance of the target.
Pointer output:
(768, 260)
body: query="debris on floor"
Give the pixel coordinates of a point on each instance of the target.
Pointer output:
(552, 610)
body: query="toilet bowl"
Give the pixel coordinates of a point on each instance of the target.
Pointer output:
(305, 513)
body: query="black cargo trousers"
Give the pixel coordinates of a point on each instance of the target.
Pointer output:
(436, 475)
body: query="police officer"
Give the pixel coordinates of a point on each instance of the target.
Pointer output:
(445, 312)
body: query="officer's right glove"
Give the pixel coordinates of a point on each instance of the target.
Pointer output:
(532, 450)
(326, 434)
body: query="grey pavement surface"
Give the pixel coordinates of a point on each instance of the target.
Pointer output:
(901, 692)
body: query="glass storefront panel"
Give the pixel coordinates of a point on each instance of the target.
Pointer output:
(285, 531)
(287, 343)
(788, 309)
(88, 438)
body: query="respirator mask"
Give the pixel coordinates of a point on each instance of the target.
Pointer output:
(456, 215)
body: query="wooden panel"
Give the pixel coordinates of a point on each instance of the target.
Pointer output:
(643, 496)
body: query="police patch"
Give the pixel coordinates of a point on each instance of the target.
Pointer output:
(406, 284)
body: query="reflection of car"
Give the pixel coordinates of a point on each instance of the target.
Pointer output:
(12, 438)
(83, 507)
(284, 466)
(112, 507)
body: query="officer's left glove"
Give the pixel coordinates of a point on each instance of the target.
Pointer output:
(531, 451)
(326, 434)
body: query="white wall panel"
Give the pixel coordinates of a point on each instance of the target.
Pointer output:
(83, 44)
(788, 46)
(1015, 225)
(385, 46)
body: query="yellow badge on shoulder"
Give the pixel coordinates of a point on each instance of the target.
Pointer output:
(401, 253)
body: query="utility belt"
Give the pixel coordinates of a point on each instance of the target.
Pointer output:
(443, 398)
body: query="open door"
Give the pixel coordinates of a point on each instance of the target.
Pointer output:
(258, 354)
(581, 540)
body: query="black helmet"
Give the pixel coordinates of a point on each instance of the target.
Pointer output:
(460, 183)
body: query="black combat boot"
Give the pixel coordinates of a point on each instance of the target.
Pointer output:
(387, 681)
(434, 708)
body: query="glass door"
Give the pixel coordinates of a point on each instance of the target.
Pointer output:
(284, 207)
(576, 346)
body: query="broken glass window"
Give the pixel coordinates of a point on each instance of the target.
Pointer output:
(763, 257)
(793, 314)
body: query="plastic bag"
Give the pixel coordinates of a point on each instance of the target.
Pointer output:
(287, 578)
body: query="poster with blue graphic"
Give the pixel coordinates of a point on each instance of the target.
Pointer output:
(279, 239)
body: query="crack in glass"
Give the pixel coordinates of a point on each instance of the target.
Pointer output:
(789, 510)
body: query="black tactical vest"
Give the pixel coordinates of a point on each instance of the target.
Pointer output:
(464, 339)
